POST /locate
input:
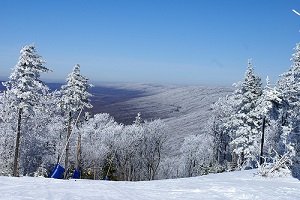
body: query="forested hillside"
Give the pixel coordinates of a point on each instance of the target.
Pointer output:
(184, 109)
(145, 131)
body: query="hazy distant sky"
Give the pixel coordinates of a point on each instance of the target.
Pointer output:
(191, 42)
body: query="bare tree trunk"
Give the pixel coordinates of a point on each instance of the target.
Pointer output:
(78, 151)
(155, 166)
(95, 168)
(68, 146)
(234, 156)
(16, 164)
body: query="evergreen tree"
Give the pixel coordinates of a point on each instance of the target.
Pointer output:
(74, 93)
(24, 90)
(289, 86)
(245, 122)
(74, 98)
(138, 120)
(271, 106)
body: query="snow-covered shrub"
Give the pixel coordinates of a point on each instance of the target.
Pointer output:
(41, 172)
(197, 155)
(278, 166)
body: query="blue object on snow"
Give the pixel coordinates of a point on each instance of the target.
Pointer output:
(76, 174)
(58, 172)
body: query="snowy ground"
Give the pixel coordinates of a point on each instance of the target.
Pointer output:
(231, 185)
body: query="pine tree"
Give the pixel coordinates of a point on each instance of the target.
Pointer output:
(74, 98)
(289, 86)
(138, 120)
(245, 122)
(271, 106)
(74, 93)
(24, 89)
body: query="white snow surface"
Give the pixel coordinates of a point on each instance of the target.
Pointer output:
(229, 185)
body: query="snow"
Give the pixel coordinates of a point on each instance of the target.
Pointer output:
(184, 109)
(229, 185)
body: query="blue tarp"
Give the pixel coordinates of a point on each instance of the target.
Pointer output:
(58, 172)
(76, 174)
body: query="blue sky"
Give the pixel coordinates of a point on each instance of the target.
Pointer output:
(190, 42)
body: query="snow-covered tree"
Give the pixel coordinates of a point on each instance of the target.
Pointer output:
(197, 154)
(74, 93)
(138, 119)
(74, 98)
(244, 122)
(47, 125)
(271, 107)
(289, 87)
(172, 167)
(24, 90)
(8, 123)
(218, 128)
(140, 150)
(129, 154)
(100, 139)
(153, 145)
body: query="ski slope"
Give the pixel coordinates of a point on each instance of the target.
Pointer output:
(229, 185)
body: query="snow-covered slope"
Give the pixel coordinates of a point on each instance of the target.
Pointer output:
(230, 185)
(184, 109)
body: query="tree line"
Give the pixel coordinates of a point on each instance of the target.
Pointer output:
(39, 128)
(255, 127)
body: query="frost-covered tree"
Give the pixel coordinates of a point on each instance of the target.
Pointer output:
(244, 122)
(197, 154)
(47, 125)
(289, 87)
(139, 150)
(7, 136)
(271, 106)
(172, 167)
(100, 139)
(138, 119)
(218, 128)
(129, 154)
(24, 90)
(153, 146)
(74, 93)
(74, 98)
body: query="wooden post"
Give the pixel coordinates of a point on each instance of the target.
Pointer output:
(16, 163)
(262, 140)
